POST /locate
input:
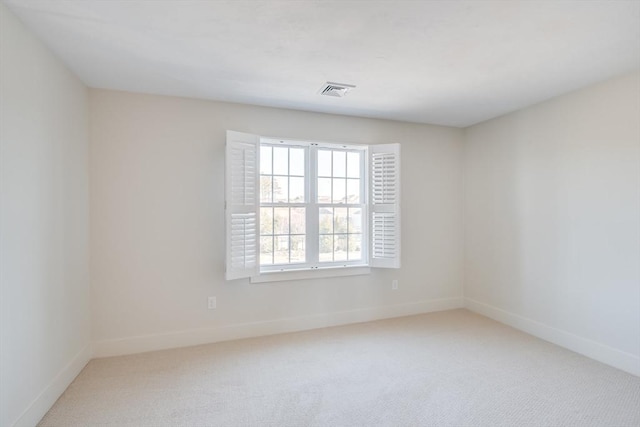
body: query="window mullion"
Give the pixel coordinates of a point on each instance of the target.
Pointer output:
(364, 199)
(312, 211)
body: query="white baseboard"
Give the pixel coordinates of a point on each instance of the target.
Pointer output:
(139, 344)
(45, 400)
(592, 349)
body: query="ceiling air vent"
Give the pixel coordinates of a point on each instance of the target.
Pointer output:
(335, 89)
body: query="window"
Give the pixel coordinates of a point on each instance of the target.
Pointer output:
(283, 205)
(300, 206)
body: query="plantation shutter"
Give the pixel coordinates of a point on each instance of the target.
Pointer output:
(242, 204)
(384, 205)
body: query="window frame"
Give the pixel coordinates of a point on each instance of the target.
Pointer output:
(264, 268)
(312, 207)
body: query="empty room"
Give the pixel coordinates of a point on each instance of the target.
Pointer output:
(319, 213)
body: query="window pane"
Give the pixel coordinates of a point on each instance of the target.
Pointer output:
(340, 247)
(265, 189)
(265, 160)
(296, 190)
(280, 161)
(326, 220)
(280, 189)
(296, 161)
(266, 250)
(297, 249)
(339, 188)
(353, 165)
(326, 248)
(355, 246)
(281, 221)
(297, 221)
(324, 190)
(355, 221)
(281, 250)
(353, 191)
(340, 220)
(324, 163)
(339, 164)
(266, 220)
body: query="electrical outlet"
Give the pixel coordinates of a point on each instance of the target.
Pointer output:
(212, 303)
(394, 285)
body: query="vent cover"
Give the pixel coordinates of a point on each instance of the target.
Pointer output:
(335, 89)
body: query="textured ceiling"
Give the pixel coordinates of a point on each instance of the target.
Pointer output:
(443, 62)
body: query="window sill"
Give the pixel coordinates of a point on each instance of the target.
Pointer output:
(320, 273)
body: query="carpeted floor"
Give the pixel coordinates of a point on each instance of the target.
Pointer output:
(452, 368)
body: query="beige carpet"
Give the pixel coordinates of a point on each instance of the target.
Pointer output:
(452, 368)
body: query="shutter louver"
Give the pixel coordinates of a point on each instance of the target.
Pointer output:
(242, 205)
(384, 209)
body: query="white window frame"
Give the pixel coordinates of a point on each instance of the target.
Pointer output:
(312, 206)
(307, 205)
(380, 203)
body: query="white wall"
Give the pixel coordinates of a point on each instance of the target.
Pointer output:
(44, 283)
(157, 229)
(552, 220)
